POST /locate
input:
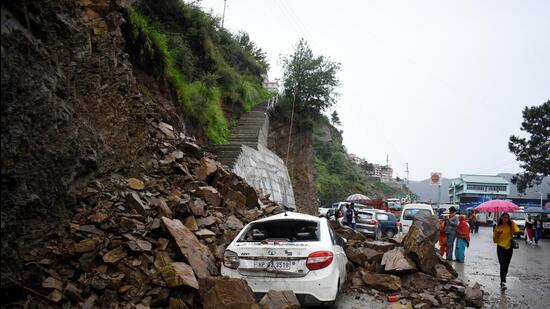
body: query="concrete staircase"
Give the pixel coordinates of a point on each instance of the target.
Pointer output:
(247, 132)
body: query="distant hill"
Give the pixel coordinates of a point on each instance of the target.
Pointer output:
(428, 192)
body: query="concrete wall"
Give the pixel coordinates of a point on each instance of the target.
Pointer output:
(264, 170)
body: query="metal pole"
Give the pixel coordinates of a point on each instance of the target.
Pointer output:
(540, 199)
(223, 16)
(438, 197)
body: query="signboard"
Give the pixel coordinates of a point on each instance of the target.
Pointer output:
(435, 179)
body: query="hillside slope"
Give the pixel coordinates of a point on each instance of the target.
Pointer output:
(337, 176)
(86, 86)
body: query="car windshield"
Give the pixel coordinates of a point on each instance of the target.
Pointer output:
(282, 230)
(517, 215)
(410, 213)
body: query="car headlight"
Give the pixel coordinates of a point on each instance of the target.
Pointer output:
(231, 259)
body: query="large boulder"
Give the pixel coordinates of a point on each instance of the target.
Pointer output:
(380, 245)
(396, 261)
(226, 293)
(280, 300)
(197, 254)
(474, 295)
(382, 281)
(420, 240)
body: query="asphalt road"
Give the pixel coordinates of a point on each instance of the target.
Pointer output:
(528, 278)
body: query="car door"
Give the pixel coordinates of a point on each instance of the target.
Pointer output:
(339, 254)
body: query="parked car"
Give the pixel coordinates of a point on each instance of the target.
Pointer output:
(289, 251)
(408, 214)
(323, 210)
(338, 211)
(387, 225)
(366, 222)
(519, 217)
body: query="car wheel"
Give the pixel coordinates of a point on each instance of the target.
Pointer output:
(390, 234)
(378, 235)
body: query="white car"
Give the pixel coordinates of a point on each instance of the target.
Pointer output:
(289, 251)
(408, 214)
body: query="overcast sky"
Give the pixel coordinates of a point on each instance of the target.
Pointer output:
(436, 84)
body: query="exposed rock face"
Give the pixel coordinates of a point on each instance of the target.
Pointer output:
(382, 281)
(420, 241)
(301, 163)
(70, 111)
(225, 293)
(280, 300)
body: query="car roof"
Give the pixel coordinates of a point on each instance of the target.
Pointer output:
(417, 206)
(289, 215)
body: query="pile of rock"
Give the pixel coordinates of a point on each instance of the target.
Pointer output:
(408, 267)
(153, 240)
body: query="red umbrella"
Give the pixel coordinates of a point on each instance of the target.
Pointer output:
(497, 206)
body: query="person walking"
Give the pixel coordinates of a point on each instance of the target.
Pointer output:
(450, 232)
(502, 235)
(538, 229)
(442, 238)
(528, 231)
(462, 238)
(351, 216)
(472, 221)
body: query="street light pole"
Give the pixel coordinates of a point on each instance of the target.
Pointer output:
(223, 16)
(540, 199)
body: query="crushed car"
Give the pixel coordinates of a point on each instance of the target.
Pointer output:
(289, 251)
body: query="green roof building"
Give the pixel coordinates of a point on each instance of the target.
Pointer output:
(469, 188)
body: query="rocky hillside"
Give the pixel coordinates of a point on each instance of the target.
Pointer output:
(301, 158)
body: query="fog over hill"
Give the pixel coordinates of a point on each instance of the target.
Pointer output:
(427, 192)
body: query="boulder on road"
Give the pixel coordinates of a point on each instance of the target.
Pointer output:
(474, 295)
(226, 293)
(382, 281)
(420, 240)
(280, 300)
(396, 261)
(441, 273)
(419, 280)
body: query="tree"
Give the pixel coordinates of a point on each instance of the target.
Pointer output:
(335, 119)
(250, 47)
(310, 81)
(534, 151)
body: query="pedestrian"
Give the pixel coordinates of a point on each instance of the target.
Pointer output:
(462, 238)
(502, 235)
(442, 238)
(351, 215)
(472, 221)
(450, 232)
(538, 229)
(528, 231)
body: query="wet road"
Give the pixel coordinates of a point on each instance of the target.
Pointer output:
(528, 278)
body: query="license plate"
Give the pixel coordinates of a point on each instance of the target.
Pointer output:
(283, 265)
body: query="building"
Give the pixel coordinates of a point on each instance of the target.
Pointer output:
(471, 190)
(385, 172)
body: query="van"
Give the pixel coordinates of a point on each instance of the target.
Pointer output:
(408, 214)
(444, 209)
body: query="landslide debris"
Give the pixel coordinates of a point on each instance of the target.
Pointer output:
(156, 240)
(407, 267)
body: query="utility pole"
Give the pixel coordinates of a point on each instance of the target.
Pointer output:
(223, 16)
(387, 160)
(407, 172)
(540, 198)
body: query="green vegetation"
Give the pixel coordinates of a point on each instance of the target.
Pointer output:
(310, 83)
(337, 176)
(533, 151)
(205, 65)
